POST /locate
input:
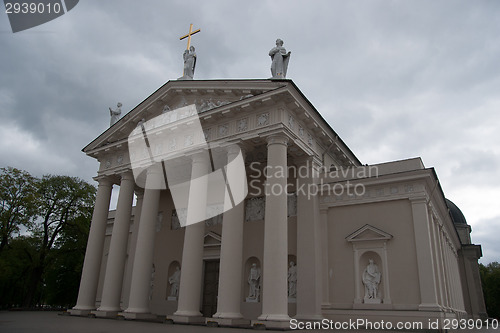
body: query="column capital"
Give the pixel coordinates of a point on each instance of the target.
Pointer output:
(277, 139)
(235, 149)
(199, 156)
(103, 181)
(420, 199)
(127, 175)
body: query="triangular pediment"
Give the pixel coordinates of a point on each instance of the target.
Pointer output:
(368, 233)
(212, 239)
(228, 111)
(207, 95)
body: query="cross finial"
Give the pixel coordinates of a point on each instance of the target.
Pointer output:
(188, 36)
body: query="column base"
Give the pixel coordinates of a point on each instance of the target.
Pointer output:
(313, 317)
(182, 319)
(81, 313)
(271, 324)
(229, 322)
(105, 314)
(137, 315)
(429, 307)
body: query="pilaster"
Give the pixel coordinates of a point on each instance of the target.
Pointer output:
(425, 263)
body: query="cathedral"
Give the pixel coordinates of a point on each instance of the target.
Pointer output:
(250, 210)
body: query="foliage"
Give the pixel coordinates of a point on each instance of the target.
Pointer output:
(490, 279)
(17, 192)
(44, 265)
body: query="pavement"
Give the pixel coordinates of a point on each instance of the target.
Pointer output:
(55, 322)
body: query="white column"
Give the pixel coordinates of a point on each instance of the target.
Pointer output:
(143, 260)
(308, 270)
(275, 268)
(113, 280)
(231, 257)
(426, 276)
(188, 309)
(129, 262)
(93, 254)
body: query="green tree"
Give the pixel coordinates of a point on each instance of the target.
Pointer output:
(17, 193)
(63, 274)
(490, 279)
(15, 264)
(62, 204)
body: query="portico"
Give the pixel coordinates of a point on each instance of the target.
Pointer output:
(223, 201)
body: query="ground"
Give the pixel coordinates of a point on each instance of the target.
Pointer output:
(54, 322)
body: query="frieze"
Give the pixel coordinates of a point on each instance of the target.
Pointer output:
(366, 194)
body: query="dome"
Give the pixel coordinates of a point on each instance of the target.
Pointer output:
(456, 214)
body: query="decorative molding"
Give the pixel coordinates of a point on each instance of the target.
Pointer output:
(263, 119)
(368, 233)
(242, 125)
(223, 130)
(291, 122)
(207, 133)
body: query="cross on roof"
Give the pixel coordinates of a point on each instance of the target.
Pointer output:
(188, 36)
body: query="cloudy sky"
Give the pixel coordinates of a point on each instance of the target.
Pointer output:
(395, 79)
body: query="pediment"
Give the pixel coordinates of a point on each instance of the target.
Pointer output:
(207, 95)
(227, 110)
(368, 233)
(211, 239)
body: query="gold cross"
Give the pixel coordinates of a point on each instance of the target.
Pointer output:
(188, 36)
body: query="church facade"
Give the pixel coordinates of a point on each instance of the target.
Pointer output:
(304, 230)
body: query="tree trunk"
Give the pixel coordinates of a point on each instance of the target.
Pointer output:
(33, 286)
(4, 242)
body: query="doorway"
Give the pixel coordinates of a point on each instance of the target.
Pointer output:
(210, 288)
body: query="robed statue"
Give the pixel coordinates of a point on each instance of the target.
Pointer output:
(280, 58)
(371, 280)
(175, 281)
(115, 114)
(254, 283)
(189, 63)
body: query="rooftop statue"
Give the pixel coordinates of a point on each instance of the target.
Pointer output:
(189, 63)
(280, 60)
(189, 55)
(115, 114)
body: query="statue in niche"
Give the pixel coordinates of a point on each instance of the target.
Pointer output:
(254, 282)
(189, 63)
(115, 114)
(280, 58)
(174, 282)
(371, 280)
(292, 280)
